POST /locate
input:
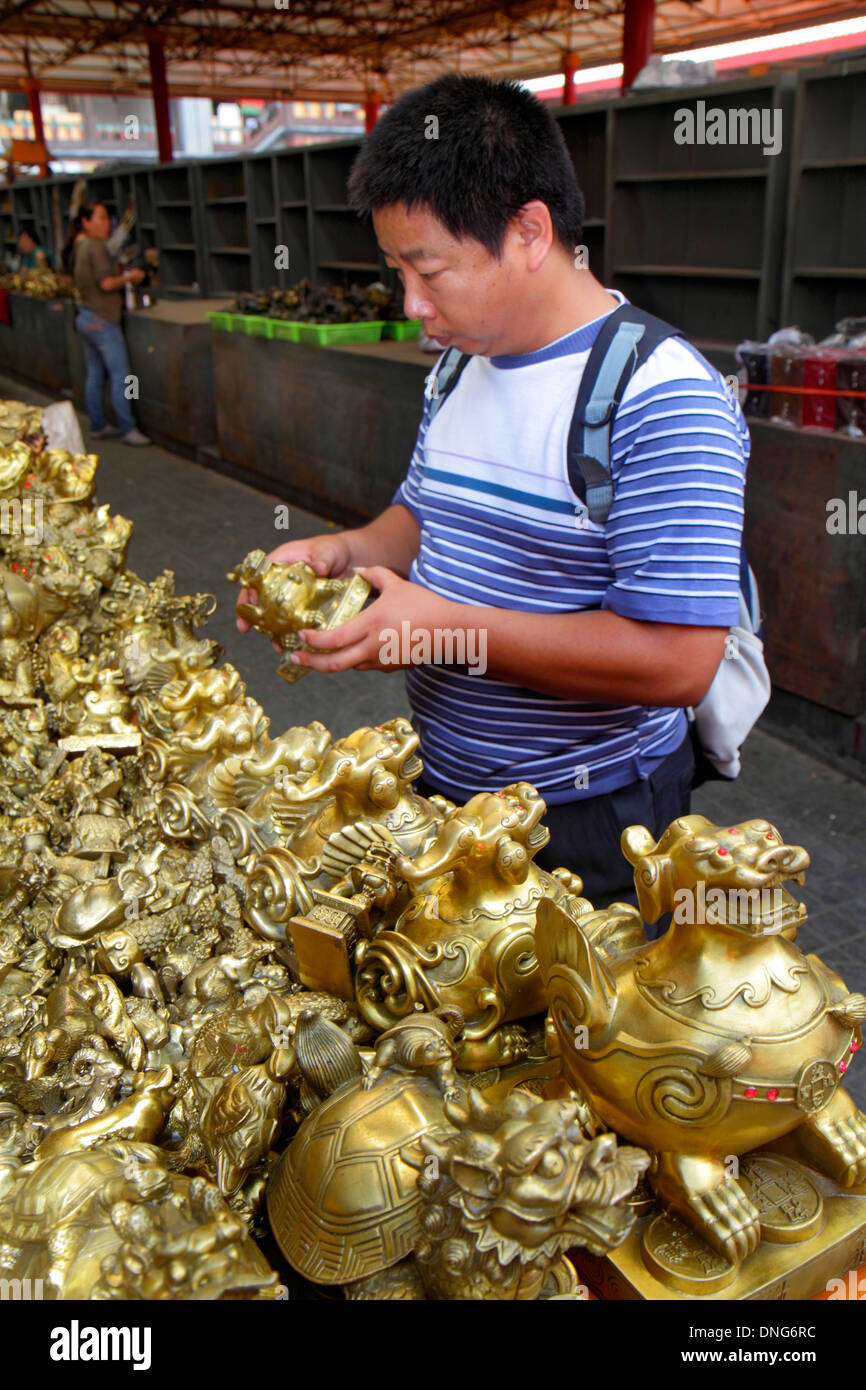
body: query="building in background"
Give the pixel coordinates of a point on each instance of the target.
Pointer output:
(83, 131)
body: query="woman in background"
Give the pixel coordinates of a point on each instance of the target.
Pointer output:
(100, 284)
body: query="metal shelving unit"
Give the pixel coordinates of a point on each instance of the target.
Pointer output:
(25, 208)
(825, 265)
(695, 230)
(694, 233)
(340, 244)
(586, 130)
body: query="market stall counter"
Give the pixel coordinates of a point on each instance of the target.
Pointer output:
(804, 544)
(33, 343)
(330, 428)
(169, 347)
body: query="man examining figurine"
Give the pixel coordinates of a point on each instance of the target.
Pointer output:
(598, 636)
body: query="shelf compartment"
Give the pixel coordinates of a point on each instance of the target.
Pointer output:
(678, 225)
(226, 226)
(177, 269)
(329, 167)
(344, 243)
(838, 239)
(223, 180)
(292, 232)
(833, 116)
(260, 185)
(585, 135)
(290, 178)
(174, 225)
(644, 134)
(171, 185)
(229, 273)
(719, 308)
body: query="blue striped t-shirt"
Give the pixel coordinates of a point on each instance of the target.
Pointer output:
(502, 527)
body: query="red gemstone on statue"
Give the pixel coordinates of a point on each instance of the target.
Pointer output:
(843, 1066)
(750, 1092)
(772, 1094)
(854, 1045)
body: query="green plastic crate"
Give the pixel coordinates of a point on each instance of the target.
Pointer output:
(332, 334)
(254, 325)
(221, 321)
(402, 329)
(285, 330)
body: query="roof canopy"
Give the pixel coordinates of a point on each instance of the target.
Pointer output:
(347, 50)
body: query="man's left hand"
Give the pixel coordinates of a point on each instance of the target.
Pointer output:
(362, 641)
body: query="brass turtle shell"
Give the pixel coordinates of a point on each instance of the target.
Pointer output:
(343, 1203)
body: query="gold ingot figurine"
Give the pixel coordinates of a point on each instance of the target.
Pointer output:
(719, 1037)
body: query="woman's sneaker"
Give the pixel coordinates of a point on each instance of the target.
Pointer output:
(107, 432)
(135, 437)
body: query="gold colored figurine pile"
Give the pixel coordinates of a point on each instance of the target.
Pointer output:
(258, 989)
(42, 284)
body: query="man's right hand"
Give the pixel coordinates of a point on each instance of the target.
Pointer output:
(330, 557)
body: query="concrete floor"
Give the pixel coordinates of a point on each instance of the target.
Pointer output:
(200, 524)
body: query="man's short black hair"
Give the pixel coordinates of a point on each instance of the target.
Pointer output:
(489, 149)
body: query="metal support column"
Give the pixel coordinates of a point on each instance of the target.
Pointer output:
(371, 112)
(31, 87)
(159, 88)
(637, 38)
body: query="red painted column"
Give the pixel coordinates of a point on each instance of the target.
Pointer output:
(569, 68)
(31, 87)
(371, 112)
(159, 88)
(637, 38)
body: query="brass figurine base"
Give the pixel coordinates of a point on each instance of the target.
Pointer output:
(808, 1238)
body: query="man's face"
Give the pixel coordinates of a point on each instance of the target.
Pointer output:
(461, 293)
(25, 244)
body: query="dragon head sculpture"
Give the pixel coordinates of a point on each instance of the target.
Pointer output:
(743, 861)
(519, 1186)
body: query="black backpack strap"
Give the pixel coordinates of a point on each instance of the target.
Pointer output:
(624, 341)
(441, 382)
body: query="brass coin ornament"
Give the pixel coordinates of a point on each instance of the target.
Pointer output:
(255, 988)
(681, 1260)
(790, 1205)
